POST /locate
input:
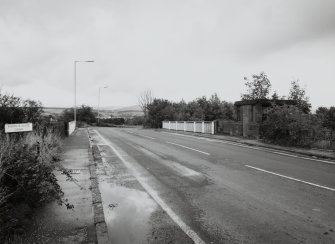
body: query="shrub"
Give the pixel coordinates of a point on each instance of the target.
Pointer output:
(288, 125)
(27, 178)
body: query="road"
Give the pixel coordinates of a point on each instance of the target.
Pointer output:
(162, 187)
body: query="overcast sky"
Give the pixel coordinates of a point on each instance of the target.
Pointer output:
(179, 49)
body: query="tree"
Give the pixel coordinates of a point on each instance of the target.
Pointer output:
(158, 111)
(16, 110)
(258, 88)
(275, 96)
(84, 114)
(32, 110)
(327, 118)
(144, 100)
(298, 94)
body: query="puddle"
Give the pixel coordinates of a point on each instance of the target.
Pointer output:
(127, 212)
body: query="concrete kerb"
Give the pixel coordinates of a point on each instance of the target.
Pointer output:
(268, 146)
(99, 217)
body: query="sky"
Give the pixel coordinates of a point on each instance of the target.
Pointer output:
(178, 49)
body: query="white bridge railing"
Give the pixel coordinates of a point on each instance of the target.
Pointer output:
(191, 126)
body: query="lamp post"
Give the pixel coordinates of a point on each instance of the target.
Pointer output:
(99, 104)
(75, 87)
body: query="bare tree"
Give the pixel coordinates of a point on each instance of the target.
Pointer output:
(144, 100)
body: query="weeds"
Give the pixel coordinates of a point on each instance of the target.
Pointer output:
(27, 179)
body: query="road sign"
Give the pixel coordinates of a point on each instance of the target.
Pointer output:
(10, 128)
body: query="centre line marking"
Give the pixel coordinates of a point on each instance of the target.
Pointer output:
(188, 148)
(141, 135)
(291, 178)
(188, 231)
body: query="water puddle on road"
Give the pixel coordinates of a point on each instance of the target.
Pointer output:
(127, 212)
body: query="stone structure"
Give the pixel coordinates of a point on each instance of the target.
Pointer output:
(252, 112)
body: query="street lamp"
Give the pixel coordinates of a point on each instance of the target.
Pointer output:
(99, 103)
(75, 86)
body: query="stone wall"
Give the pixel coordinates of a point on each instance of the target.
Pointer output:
(225, 127)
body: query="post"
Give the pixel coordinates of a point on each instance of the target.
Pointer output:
(203, 127)
(75, 88)
(194, 129)
(75, 93)
(184, 125)
(99, 107)
(213, 127)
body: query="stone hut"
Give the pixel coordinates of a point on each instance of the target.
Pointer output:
(252, 112)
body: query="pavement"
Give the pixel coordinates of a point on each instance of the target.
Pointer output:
(56, 224)
(162, 187)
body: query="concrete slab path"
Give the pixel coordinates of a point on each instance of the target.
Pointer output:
(57, 224)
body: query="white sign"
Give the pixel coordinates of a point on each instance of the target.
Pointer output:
(9, 128)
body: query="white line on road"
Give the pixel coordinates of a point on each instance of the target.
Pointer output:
(188, 148)
(147, 137)
(291, 178)
(254, 148)
(194, 236)
(141, 135)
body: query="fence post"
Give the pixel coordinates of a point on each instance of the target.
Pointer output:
(194, 127)
(184, 125)
(213, 127)
(176, 125)
(203, 127)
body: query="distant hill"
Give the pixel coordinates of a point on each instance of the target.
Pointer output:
(108, 108)
(114, 111)
(129, 108)
(127, 112)
(53, 110)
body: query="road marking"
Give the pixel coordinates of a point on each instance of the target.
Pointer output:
(254, 148)
(147, 137)
(291, 178)
(183, 170)
(141, 135)
(188, 148)
(194, 236)
(177, 167)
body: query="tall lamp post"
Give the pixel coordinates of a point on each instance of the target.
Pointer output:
(99, 104)
(75, 86)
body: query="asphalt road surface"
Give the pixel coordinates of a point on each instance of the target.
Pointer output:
(162, 187)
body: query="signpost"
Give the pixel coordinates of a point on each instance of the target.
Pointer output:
(11, 128)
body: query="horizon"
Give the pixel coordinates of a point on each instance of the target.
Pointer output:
(177, 49)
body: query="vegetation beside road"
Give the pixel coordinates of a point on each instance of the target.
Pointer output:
(288, 125)
(27, 164)
(198, 109)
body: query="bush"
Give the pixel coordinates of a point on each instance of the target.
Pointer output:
(84, 114)
(27, 180)
(289, 126)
